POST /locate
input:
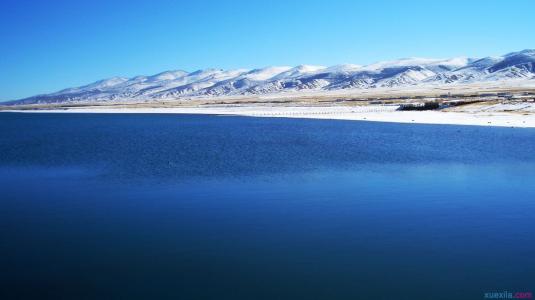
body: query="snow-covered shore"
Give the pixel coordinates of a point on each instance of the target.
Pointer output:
(364, 113)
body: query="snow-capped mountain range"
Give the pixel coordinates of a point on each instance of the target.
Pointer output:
(215, 82)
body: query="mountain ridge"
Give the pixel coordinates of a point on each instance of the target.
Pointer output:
(406, 72)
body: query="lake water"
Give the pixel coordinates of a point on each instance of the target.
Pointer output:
(118, 206)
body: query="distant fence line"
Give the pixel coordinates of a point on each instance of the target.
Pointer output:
(364, 109)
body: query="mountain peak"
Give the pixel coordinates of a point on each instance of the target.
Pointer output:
(418, 61)
(265, 73)
(343, 68)
(527, 52)
(168, 75)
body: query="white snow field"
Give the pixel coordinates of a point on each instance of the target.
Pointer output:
(377, 113)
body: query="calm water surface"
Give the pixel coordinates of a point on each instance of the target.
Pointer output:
(206, 207)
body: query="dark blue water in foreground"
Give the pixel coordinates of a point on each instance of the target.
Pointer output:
(206, 207)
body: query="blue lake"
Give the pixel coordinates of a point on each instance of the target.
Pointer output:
(118, 206)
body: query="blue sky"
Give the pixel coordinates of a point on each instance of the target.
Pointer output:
(49, 45)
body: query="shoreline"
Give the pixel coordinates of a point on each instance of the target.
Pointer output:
(364, 113)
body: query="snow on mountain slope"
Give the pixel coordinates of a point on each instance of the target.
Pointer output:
(523, 60)
(196, 81)
(347, 68)
(99, 85)
(263, 74)
(516, 65)
(438, 64)
(215, 82)
(167, 75)
(299, 71)
(408, 77)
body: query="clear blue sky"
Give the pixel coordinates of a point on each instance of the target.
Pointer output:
(49, 45)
